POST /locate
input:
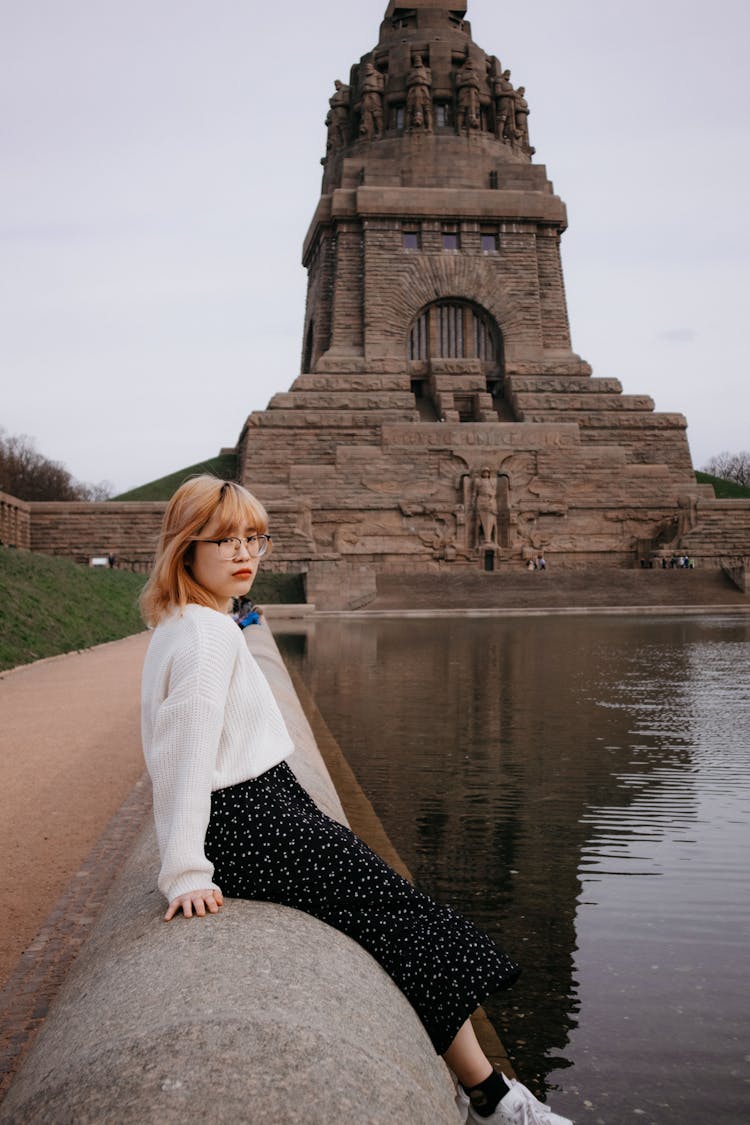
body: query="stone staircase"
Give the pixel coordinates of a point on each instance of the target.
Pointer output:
(586, 587)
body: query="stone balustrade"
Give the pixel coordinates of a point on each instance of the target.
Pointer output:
(15, 522)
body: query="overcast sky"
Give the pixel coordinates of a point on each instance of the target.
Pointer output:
(161, 165)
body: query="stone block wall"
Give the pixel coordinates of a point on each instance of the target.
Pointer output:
(83, 530)
(15, 524)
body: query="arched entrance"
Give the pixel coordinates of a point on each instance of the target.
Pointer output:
(454, 329)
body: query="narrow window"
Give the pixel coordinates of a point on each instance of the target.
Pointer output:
(450, 237)
(411, 239)
(489, 243)
(418, 339)
(441, 116)
(400, 116)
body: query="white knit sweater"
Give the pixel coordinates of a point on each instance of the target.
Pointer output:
(208, 720)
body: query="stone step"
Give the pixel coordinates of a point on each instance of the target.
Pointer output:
(617, 421)
(515, 587)
(333, 419)
(572, 402)
(343, 400)
(563, 384)
(361, 382)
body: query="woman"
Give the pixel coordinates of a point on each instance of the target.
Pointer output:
(231, 817)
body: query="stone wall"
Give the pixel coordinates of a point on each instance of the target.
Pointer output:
(82, 530)
(15, 526)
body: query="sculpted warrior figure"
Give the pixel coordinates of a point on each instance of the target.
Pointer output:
(339, 123)
(522, 120)
(687, 516)
(505, 108)
(485, 508)
(419, 96)
(467, 87)
(372, 103)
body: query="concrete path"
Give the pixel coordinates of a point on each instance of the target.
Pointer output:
(70, 753)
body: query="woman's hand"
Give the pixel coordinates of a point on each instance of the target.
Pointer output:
(198, 901)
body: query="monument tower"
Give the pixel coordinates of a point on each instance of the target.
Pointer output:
(441, 420)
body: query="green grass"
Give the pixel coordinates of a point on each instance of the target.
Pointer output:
(724, 489)
(49, 606)
(224, 466)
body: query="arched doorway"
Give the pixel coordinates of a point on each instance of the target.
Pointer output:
(456, 329)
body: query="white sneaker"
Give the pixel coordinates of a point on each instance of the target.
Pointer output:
(518, 1107)
(462, 1103)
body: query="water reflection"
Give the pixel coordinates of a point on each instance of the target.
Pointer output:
(579, 787)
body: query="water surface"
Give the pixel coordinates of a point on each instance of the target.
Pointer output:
(580, 787)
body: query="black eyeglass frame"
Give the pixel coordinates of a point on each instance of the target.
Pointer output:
(263, 541)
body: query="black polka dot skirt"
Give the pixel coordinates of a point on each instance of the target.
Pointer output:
(268, 840)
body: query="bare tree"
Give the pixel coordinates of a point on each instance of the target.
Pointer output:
(730, 466)
(25, 473)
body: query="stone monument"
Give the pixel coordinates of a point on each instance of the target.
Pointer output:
(442, 420)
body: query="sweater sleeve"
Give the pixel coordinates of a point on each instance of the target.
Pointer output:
(182, 755)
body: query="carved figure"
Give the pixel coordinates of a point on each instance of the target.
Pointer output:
(338, 118)
(505, 108)
(485, 508)
(687, 517)
(371, 103)
(419, 96)
(521, 131)
(467, 87)
(303, 525)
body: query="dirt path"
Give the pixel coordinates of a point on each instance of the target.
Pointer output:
(70, 753)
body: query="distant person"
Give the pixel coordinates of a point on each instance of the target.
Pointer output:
(232, 818)
(541, 562)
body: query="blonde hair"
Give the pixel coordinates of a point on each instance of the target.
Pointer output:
(195, 503)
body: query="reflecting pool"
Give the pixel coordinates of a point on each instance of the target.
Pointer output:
(580, 787)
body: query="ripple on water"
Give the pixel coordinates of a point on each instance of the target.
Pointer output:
(581, 788)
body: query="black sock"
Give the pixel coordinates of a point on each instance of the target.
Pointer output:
(486, 1096)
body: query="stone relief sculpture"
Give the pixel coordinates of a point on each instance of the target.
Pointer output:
(345, 540)
(419, 96)
(440, 539)
(687, 516)
(338, 119)
(485, 508)
(505, 108)
(467, 89)
(371, 104)
(303, 524)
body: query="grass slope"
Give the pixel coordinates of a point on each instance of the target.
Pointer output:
(49, 606)
(224, 466)
(724, 489)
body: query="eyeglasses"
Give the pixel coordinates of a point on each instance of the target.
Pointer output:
(231, 545)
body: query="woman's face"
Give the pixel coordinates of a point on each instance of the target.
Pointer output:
(224, 578)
